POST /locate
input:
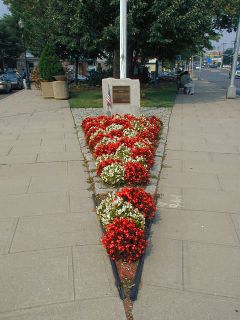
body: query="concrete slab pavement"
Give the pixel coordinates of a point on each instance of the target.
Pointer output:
(193, 269)
(52, 265)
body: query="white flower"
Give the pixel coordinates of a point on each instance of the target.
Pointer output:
(114, 127)
(115, 207)
(113, 174)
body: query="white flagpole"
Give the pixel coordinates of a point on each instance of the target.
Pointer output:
(123, 39)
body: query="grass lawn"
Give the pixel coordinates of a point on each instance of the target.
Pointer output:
(161, 96)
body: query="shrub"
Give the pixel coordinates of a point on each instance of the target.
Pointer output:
(49, 64)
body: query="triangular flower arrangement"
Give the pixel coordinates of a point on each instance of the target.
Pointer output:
(123, 148)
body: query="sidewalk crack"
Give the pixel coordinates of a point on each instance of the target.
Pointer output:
(10, 247)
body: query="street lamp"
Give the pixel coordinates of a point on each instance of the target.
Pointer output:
(232, 90)
(21, 26)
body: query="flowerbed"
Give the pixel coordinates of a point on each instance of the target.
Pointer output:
(123, 215)
(123, 147)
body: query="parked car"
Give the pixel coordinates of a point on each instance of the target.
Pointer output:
(5, 84)
(167, 76)
(237, 74)
(15, 79)
(213, 66)
(80, 78)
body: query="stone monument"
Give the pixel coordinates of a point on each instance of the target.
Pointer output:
(124, 95)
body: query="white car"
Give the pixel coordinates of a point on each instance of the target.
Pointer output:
(237, 74)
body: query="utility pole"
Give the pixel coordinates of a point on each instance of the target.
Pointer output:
(223, 45)
(200, 67)
(232, 90)
(123, 39)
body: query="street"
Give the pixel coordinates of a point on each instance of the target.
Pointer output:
(218, 76)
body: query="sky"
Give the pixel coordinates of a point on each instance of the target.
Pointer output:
(3, 9)
(227, 38)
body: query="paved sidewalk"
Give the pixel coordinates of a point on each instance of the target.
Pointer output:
(192, 271)
(52, 265)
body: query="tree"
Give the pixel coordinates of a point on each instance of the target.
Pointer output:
(49, 64)
(10, 42)
(156, 28)
(37, 26)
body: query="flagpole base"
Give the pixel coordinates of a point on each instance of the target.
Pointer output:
(231, 92)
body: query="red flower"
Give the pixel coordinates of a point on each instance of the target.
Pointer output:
(124, 240)
(136, 174)
(145, 153)
(140, 199)
(106, 149)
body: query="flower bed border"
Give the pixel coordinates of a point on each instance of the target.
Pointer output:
(100, 190)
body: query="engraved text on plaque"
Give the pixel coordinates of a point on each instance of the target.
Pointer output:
(121, 94)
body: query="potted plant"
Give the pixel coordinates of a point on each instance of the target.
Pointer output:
(49, 66)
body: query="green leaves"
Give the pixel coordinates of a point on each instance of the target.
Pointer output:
(156, 28)
(10, 41)
(49, 64)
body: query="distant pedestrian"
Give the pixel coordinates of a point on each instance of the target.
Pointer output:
(187, 83)
(24, 77)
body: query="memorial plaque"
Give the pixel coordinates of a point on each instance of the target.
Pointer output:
(121, 94)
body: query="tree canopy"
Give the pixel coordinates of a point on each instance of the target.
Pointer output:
(10, 41)
(156, 28)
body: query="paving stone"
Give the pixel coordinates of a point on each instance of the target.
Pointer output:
(204, 147)
(191, 155)
(158, 303)
(211, 200)
(34, 169)
(230, 184)
(35, 279)
(26, 158)
(218, 167)
(5, 150)
(93, 276)
(28, 141)
(7, 228)
(52, 183)
(163, 264)
(37, 149)
(14, 185)
(236, 220)
(77, 167)
(212, 269)
(169, 197)
(189, 180)
(33, 204)
(174, 165)
(110, 308)
(196, 226)
(55, 231)
(81, 201)
(59, 156)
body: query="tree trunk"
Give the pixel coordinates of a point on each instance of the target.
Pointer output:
(130, 64)
(116, 63)
(76, 69)
(156, 72)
